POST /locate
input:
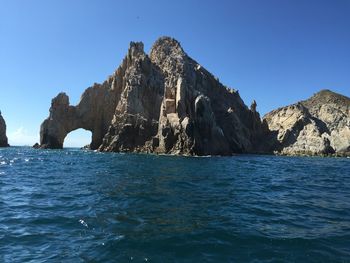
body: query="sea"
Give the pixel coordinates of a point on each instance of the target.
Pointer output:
(75, 205)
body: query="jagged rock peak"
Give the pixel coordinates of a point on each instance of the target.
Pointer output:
(61, 99)
(136, 49)
(3, 137)
(164, 47)
(167, 44)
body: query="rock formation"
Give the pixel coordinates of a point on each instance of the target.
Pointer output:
(317, 126)
(164, 102)
(3, 137)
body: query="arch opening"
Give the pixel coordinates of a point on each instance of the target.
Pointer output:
(77, 138)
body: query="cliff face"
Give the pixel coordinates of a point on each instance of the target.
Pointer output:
(3, 137)
(317, 126)
(165, 103)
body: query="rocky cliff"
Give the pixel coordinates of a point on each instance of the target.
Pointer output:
(317, 126)
(3, 137)
(164, 102)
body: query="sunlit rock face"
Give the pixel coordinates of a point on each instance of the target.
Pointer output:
(93, 113)
(317, 126)
(3, 137)
(164, 102)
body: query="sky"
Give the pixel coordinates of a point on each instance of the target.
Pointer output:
(274, 51)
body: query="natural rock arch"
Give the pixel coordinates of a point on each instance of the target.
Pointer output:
(93, 113)
(136, 87)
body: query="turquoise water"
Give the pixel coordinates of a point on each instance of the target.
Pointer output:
(80, 206)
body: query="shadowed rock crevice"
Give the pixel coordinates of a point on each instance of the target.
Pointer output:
(164, 103)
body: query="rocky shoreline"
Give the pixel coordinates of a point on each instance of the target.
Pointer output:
(165, 102)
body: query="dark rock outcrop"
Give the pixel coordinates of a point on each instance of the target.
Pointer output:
(36, 146)
(164, 103)
(3, 137)
(317, 126)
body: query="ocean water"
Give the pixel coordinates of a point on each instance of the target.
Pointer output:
(81, 206)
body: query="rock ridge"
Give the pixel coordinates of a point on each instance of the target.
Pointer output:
(319, 125)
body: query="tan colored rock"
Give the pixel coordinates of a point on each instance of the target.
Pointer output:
(93, 113)
(317, 126)
(3, 137)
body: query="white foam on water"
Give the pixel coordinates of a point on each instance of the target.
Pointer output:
(81, 221)
(119, 237)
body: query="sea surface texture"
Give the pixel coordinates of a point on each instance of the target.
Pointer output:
(81, 206)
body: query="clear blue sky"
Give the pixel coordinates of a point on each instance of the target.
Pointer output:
(274, 51)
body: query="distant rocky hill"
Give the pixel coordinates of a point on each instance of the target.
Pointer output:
(3, 137)
(164, 102)
(317, 126)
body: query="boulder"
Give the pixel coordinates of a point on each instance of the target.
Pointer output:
(3, 137)
(36, 146)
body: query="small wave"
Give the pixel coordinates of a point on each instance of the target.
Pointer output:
(81, 221)
(119, 237)
(155, 208)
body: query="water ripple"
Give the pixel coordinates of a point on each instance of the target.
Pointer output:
(82, 206)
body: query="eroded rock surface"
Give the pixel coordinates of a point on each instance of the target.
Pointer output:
(164, 102)
(317, 126)
(3, 137)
